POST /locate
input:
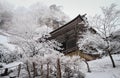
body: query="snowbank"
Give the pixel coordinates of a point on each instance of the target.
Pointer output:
(102, 68)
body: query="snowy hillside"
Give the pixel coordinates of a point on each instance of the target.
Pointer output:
(102, 68)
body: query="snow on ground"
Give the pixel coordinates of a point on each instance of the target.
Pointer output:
(102, 68)
(14, 64)
(4, 40)
(10, 66)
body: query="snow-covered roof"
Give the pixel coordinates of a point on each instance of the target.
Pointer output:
(78, 18)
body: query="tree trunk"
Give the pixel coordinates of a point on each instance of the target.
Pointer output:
(28, 70)
(41, 70)
(109, 53)
(47, 76)
(19, 69)
(113, 63)
(34, 70)
(87, 65)
(58, 68)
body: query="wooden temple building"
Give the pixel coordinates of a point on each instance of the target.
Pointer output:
(68, 35)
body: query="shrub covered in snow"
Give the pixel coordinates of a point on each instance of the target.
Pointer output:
(6, 55)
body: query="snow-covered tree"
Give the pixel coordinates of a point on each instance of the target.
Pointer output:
(115, 41)
(35, 49)
(35, 16)
(5, 14)
(52, 15)
(6, 55)
(35, 43)
(105, 25)
(30, 28)
(91, 43)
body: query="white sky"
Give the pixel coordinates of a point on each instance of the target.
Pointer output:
(71, 7)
